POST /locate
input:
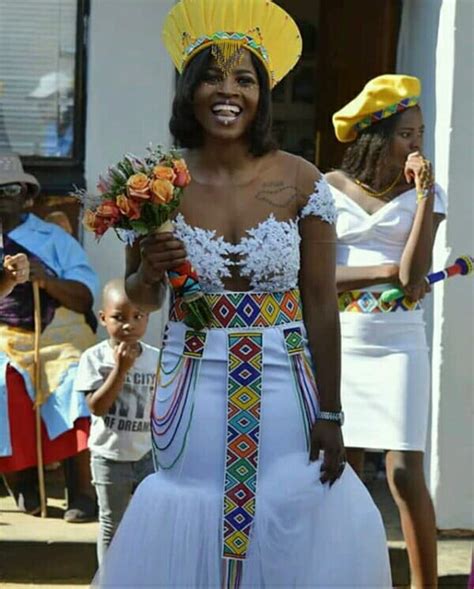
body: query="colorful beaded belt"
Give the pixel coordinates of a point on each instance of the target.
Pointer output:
(364, 301)
(249, 309)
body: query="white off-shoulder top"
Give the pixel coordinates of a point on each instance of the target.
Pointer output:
(365, 239)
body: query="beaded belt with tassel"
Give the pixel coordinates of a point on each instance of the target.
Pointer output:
(365, 301)
(249, 309)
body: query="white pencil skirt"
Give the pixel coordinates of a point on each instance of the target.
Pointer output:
(188, 523)
(385, 388)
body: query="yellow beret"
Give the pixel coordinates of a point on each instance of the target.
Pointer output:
(381, 98)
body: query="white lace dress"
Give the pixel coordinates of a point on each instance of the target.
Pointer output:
(300, 533)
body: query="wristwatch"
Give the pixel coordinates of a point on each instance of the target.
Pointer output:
(336, 416)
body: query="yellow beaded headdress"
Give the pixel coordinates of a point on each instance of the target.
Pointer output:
(229, 26)
(380, 98)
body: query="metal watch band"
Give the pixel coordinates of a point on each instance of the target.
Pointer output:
(337, 416)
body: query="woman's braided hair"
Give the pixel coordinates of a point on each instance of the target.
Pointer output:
(366, 158)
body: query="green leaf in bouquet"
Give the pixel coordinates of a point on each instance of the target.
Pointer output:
(140, 227)
(126, 167)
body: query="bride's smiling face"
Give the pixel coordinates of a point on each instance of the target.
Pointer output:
(226, 105)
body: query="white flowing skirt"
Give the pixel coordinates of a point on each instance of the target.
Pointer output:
(385, 387)
(304, 534)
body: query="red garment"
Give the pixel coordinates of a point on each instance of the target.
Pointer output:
(23, 431)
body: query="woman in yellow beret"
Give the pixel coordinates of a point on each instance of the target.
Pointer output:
(242, 497)
(389, 209)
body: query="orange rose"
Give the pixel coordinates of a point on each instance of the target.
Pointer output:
(93, 222)
(164, 173)
(183, 177)
(138, 186)
(128, 207)
(88, 220)
(161, 192)
(108, 210)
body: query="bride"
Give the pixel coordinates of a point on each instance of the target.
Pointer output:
(252, 488)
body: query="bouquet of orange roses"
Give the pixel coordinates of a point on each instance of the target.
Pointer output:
(136, 197)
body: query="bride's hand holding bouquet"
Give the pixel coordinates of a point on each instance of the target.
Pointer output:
(160, 252)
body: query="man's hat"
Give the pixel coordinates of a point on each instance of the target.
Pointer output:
(228, 27)
(11, 171)
(381, 98)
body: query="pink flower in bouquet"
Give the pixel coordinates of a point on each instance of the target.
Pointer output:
(183, 177)
(103, 185)
(138, 165)
(164, 173)
(128, 207)
(138, 186)
(162, 192)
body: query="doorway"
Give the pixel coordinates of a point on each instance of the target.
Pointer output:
(345, 43)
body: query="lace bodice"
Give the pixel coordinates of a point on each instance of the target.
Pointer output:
(268, 256)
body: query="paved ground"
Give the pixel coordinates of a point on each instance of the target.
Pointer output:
(49, 553)
(17, 527)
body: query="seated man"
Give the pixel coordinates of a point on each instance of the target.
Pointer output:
(67, 286)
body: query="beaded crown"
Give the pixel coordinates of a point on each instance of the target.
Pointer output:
(229, 26)
(380, 98)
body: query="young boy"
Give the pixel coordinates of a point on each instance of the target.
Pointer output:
(118, 377)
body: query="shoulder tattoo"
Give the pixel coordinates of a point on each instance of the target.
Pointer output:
(278, 194)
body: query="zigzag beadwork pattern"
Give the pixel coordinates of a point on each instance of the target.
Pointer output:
(194, 344)
(247, 309)
(364, 301)
(386, 112)
(191, 45)
(244, 388)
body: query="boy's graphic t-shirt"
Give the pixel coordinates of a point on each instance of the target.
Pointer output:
(124, 433)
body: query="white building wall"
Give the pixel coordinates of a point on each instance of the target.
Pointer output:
(129, 94)
(436, 44)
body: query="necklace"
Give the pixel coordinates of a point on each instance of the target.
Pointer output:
(374, 193)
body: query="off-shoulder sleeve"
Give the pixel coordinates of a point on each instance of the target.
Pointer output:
(320, 203)
(440, 202)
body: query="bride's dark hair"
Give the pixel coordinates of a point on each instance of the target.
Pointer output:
(187, 131)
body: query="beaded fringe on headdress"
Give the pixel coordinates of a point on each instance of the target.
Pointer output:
(228, 54)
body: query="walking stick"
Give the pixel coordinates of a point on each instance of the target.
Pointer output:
(37, 387)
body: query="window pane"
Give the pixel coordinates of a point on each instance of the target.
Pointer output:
(37, 67)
